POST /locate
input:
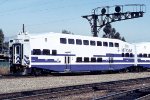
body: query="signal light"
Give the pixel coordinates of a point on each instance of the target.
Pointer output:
(141, 14)
(136, 14)
(117, 9)
(103, 11)
(132, 14)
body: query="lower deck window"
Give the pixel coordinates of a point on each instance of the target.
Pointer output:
(86, 59)
(144, 55)
(93, 59)
(99, 59)
(79, 59)
(36, 52)
(122, 54)
(127, 54)
(54, 52)
(46, 52)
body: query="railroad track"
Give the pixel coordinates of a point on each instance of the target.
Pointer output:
(141, 93)
(105, 88)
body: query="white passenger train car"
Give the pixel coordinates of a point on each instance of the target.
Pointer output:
(57, 52)
(143, 54)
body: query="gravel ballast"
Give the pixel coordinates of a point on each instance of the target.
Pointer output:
(25, 84)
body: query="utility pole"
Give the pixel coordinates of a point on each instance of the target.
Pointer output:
(23, 29)
(101, 15)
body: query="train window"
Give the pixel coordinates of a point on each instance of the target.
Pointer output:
(131, 55)
(71, 41)
(10, 50)
(99, 43)
(144, 55)
(86, 59)
(127, 55)
(105, 44)
(149, 55)
(116, 44)
(11, 41)
(63, 40)
(140, 55)
(111, 44)
(46, 52)
(78, 41)
(92, 43)
(79, 59)
(45, 39)
(122, 54)
(99, 59)
(26, 40)
(85, 42)
(93, 59)
(54, 52)
(17, 49)
(36, 52)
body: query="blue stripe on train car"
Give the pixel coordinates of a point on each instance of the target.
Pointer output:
(144, 65)
(139, 60)
(35, 59)
(76, 68)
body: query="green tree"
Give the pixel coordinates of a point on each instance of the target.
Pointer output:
(123, 39)
(107, 29)
(110, 32)
(117, 36)
(66, 32)
(1, 37)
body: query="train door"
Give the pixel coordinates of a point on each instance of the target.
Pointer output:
(67, 63)
(17, 53)
(111, 60)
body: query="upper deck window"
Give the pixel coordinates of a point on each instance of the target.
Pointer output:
(36, 52)
(78, 41)
(63, 40)
(111, 44)
(92, 43)
(105, 44)
(116, 44)
(71, 41)
(99, 43)
(85, 42)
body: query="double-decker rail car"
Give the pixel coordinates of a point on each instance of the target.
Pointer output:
(57, 52)
(143, 54)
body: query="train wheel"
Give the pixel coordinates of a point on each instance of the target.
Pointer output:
(36, 72)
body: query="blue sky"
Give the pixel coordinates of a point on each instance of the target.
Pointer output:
(41, 16)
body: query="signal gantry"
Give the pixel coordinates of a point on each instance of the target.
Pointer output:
(104, 15)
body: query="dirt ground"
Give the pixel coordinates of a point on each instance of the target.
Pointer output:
(4, 70)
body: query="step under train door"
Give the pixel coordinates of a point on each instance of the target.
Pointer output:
(17, 53)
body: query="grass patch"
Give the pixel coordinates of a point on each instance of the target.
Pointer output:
(4, 70)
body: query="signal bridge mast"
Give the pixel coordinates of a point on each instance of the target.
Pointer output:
(102, 16)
